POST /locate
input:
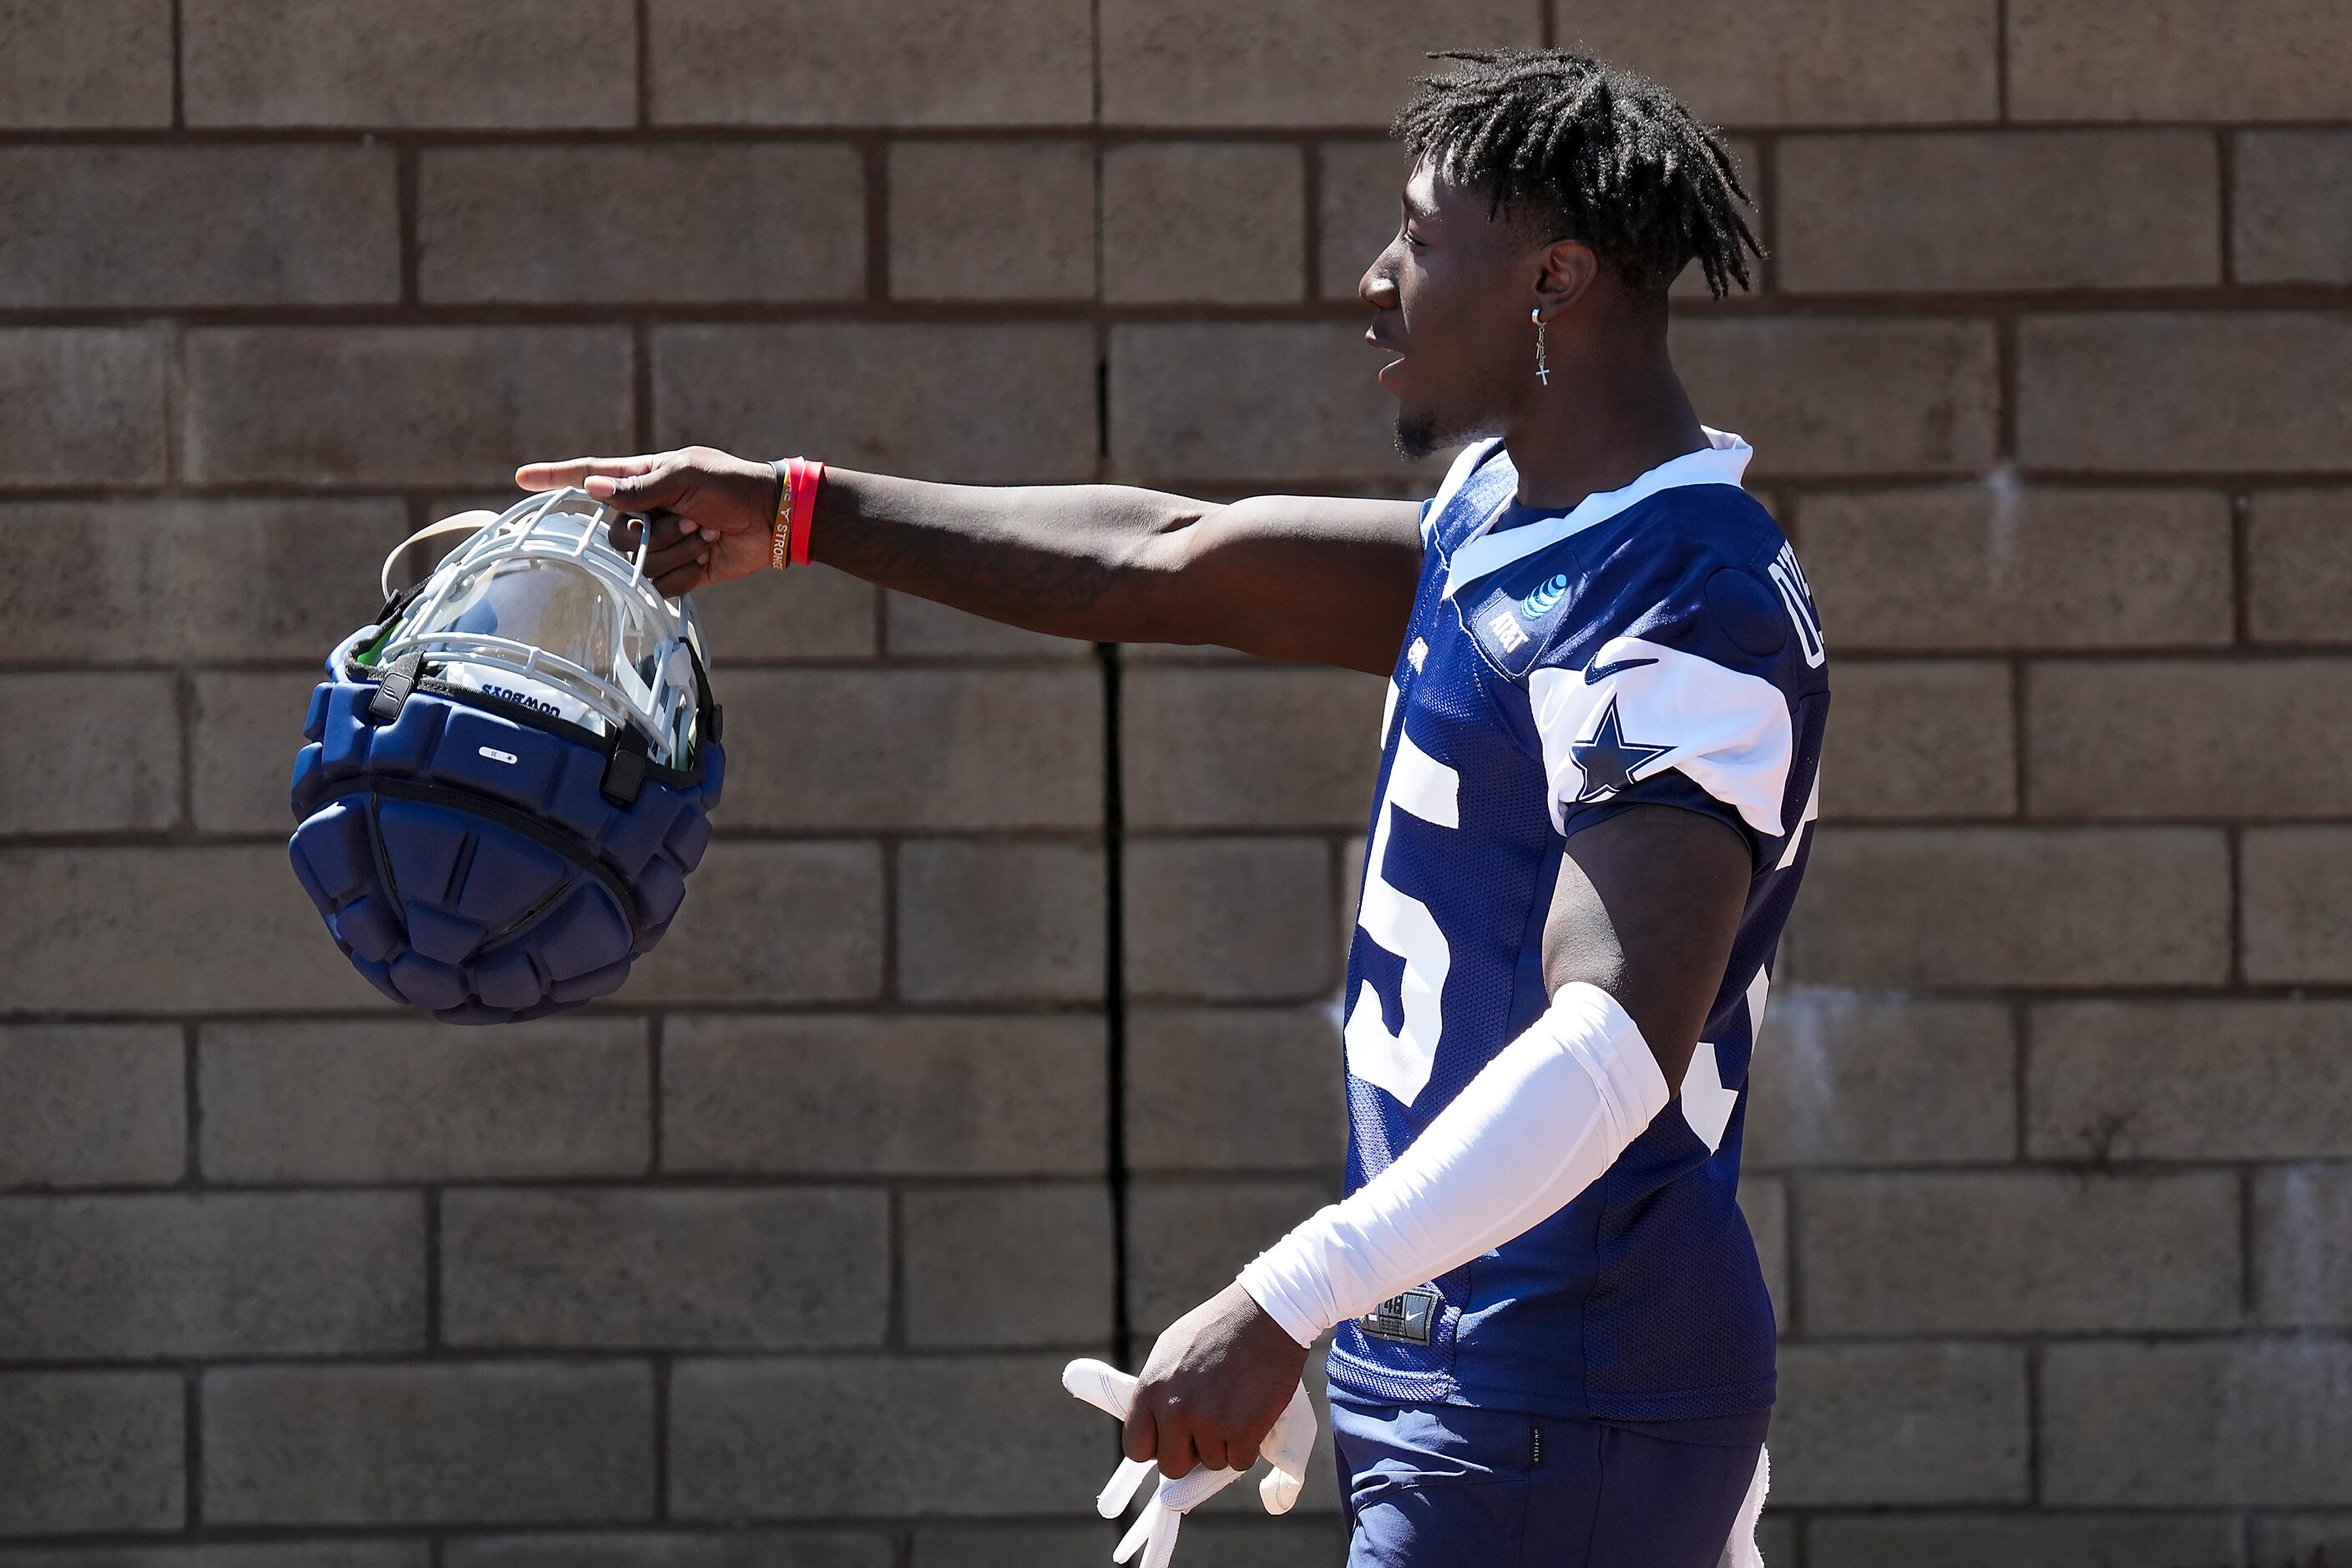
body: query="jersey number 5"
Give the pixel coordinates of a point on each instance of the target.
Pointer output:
(1399, 1062)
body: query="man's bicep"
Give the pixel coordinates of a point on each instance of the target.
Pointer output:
(1320, 579)
(1647, 907)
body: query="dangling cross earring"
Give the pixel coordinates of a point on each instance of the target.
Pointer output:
(1542, 373)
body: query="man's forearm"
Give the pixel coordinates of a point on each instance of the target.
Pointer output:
(1536, 1125)
(1094, 562)
(1317, 579)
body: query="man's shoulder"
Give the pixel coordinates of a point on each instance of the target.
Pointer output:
(1686, 526)
(1686, 561)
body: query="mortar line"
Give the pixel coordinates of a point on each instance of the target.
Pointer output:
(875, 155)
(184, 713)
(2233, 840)
(1115, 1009)
(662, 1366)
(2005, 384)
(886, 994)
(2268, 654)
(2000, 61)
(641, 382)
(405, 161)
(432, 1196)
(2033, 1354)
(894, 1284)
(344, 132)
(2018, 720)
(192, 1413)
(175, 375)
(1310, 250)
(1114, 803)
(2225, 154)
(654, 1031)
(1792, 1210)
(178, 71)
(1096, 305)
(1768, 302)
(644, 93)
(192, 1109)
(2020, 1025)
(2242, 517)
(2067, 1160)
(2246, 1244)
(331, 1365)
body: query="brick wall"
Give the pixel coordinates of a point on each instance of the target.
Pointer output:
(773, 1260)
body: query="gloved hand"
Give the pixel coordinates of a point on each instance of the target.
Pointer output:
(1287, 1449)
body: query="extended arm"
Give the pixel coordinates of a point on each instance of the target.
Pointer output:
(1317, 579)
(1635, 944)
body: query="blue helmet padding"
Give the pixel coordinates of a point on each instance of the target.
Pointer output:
(484, 889)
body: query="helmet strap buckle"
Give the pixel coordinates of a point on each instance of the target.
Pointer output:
(624, 776)
(399, 679)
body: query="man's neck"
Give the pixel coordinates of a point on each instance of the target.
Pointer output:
(1602, 423)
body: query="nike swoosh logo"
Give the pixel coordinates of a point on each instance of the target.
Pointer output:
(1595, 674)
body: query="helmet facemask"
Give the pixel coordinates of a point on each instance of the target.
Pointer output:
(538, 610)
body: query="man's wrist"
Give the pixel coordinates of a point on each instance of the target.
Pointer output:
(1269, 1280)
(780, 534)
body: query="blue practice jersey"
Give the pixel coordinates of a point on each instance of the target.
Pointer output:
(1656, 645)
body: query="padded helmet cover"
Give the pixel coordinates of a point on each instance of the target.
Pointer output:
(495, 830)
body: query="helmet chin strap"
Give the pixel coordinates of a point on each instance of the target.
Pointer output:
(413, 559)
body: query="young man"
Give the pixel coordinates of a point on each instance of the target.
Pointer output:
(1608, 692)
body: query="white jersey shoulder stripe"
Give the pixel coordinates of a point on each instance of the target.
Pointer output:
(1722, 461)
(1728, 732)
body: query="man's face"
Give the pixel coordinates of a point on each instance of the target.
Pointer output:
(1453, 290)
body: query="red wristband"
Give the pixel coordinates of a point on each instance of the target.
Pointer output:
(805, 475)
(779, 541)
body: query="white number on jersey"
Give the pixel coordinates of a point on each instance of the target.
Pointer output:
(1798, 595)
(1399, 1062)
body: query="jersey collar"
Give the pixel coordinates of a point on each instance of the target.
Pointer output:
(1722, 462)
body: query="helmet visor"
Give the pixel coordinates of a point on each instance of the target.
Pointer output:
(539, 609)
(559, 607)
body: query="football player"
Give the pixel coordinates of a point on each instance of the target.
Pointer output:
(1607, 695)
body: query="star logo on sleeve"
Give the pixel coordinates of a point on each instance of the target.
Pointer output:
(1608, 759)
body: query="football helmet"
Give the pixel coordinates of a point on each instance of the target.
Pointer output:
(509, 772)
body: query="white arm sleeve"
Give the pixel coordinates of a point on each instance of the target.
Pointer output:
(1537, 1125)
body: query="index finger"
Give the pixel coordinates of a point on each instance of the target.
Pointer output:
(572, 470)
(1139, 1436)
(1100, 1384)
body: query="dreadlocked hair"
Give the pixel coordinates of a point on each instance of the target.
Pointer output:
(1610, 156)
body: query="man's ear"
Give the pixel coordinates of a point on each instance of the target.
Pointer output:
(1566, 269)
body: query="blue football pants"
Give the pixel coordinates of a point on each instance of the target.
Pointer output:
(1442, 1487)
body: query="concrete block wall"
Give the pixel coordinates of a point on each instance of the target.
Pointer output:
(998, 1027)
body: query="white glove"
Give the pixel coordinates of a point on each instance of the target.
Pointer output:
(1288, 1448)
(1741, 1550)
